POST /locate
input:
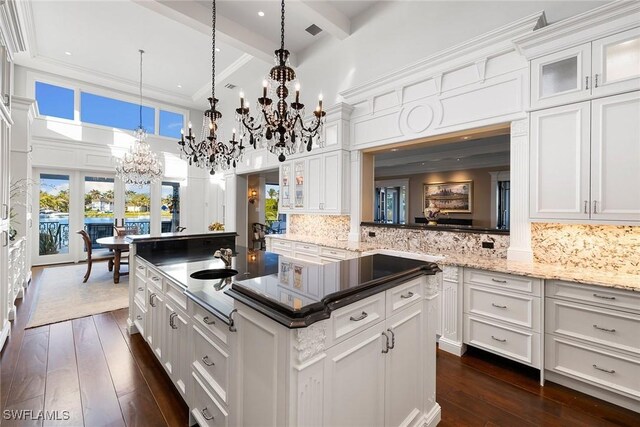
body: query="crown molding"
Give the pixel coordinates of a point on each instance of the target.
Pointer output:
(593, 24)
(13, 36)
(492, 43)
(338, 111)
(25, 104)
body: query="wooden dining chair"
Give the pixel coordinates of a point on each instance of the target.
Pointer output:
(91, 259)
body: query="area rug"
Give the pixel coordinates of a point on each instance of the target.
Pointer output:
(62, 295)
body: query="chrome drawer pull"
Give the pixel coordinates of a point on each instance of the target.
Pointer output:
(359, 318)
(208, 321)
(140, 289)
(604, 370)
(393, 339)
(155, 278)
(498, 306)
(140, 267)
(603, 329)
(407, 295)
(386, 349)
(498, 281)
(205, 413)
(151, 297)
(139, 317)
(498, 339)
(206, 361)
(604, 297)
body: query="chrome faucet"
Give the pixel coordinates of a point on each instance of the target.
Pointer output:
(225, 255)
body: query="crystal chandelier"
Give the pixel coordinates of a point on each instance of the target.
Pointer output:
(140, 165)
(281, 127)
(211, 153)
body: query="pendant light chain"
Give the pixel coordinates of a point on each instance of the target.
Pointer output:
(141, 52)
(282, 26)
(213, 51)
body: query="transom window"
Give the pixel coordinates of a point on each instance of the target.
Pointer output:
(104, 111)
(55, 101)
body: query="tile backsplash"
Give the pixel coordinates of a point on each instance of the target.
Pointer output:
(603, 247)
(330, 226)
(435, 242)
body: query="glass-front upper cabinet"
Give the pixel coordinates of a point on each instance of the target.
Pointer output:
(616, 63)
(561, 78)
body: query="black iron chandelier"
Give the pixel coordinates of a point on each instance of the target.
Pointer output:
(280, 127)
(211, 152)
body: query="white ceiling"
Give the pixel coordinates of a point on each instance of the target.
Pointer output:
(434, 157)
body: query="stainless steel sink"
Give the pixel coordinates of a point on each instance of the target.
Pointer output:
(213, 274)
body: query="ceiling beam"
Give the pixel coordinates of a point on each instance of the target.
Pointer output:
(327, 17)
(195, 15)
(221, 77)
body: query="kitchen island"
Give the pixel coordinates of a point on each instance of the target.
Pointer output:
(285, 342)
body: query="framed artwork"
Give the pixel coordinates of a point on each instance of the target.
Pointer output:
(450, 197)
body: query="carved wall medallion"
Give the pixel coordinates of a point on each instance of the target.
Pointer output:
(311, 340)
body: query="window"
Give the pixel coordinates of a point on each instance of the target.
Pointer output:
(170, 207)
(171, 124)
(137, 209)
(104, 111)
(54, 101)
(54, 214)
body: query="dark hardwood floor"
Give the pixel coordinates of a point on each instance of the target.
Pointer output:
(93, 369)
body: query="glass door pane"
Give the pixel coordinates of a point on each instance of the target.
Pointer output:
(137, 208)
(170, 207)
(98, 208)
(53, 218)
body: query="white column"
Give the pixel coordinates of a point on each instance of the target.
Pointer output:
(520, 231)
(356, 196)
(230, 190)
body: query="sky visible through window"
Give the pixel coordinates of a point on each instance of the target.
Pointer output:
(104, 111)
(171, 124)
(54, 101)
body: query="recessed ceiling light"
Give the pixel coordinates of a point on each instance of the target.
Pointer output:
(217, 49)
(394, 149)
(67, 53)
(465, 137)
(179, 85)
(261, 13)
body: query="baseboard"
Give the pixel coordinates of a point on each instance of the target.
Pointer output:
(591, 390)
(4, 334)
(131, 327)
(452, 347)
(12, 313)
(432, 418)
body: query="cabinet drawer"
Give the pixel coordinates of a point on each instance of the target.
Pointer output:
(141, 268)
(308, 257)
(155, 279)
(306, 248)
(599, 295)
(399, 297)
(610, 328)
(141, 292)
(212, 362)
(281, 244)
(607, 369)
(356, 317)
(516, 344)
(209, 322)
(206, 410)
(139, 316)
(334, 253)
(502, 281)
(176, 293)
(517, 309)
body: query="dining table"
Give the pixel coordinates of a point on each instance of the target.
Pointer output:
(118, 245)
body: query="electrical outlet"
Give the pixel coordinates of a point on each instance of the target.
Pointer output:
(487, 245)
(372, 234)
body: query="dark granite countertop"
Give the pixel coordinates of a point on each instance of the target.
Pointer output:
(292, 292)
(140, 238)
(439, 227)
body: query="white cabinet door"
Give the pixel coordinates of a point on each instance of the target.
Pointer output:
(354, 380)
(615, 158)
(168, 341)
(176, 348)
(562, 77)
(405, 367)
(559, 159)
(155, 323)
(332, 182)
(286, 187)
(315, 183)
(616, 63)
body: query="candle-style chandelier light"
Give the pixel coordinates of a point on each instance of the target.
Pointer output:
(211, 152)
(280, 127)
(140, 165)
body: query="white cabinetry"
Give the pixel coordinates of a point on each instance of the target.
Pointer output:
(592, 341)
(372, 363)
(316, 184)
(451, 311)
(584, 160)
(308, 251)
(502, 314)
(607, 66)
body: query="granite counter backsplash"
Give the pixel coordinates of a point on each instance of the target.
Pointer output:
(332, 226)
(613, 248)
(435, 242)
